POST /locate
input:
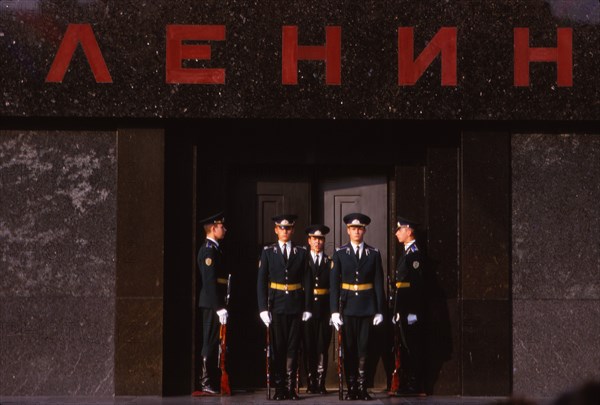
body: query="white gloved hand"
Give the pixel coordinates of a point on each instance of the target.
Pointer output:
(411, 318)
(265, 316)
(306, 316)
(377, 319)
(336, 320)
(222, 316)
(396, 318)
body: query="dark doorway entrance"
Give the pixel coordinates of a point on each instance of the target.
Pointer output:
(338, 168)
(258, 195)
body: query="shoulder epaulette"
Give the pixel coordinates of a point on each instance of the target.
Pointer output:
(371, 248)
(413, 248)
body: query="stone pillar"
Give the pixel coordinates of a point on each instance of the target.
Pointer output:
(556, 262)
(58, 230)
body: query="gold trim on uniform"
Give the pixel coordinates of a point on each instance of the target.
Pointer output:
(208, 261)
(286, 287)
(222, 281)
(402, 284)
(357, 287)
(321, 291)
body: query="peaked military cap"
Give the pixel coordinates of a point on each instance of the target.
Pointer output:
(357, 219)
(318, 231)
(285, 219)
(213, 219)
(406, 223)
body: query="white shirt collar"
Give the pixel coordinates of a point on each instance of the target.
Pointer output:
(407, 245)
(283, 243)
(215, 242)
(362, 246)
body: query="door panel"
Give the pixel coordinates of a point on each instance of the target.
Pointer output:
(278, 197)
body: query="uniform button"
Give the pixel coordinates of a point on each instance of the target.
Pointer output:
(316, 299)
(317, 278)
(286, 278)
(287, 292)
(356, 293)
(316, 284)
(357, 273)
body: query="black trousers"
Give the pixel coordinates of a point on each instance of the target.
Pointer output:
(285, 339)
(210, 334)
(317, 337)
(356, 331)
(412, 353)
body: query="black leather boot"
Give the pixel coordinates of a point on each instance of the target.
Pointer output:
(362, 386)
(310, 384)
(206, 380)
(321, 374)
(290, 384)
(351, 393)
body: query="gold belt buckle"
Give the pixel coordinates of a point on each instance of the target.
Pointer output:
(355, 287)
(286, 287)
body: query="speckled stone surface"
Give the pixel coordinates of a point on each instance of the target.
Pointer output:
(556, 345)
(57, 258)
(132, 36)
(556, 216)
(556, 261)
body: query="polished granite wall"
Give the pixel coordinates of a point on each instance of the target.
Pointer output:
(57, 258)
(555, 261)
(132, 40)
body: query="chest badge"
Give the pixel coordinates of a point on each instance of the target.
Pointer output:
(415, 265)
(208, 261)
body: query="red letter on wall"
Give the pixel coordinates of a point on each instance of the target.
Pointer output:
(562, 55)
(176, 52)
(443, 42)
(331, 53)
(78, 33)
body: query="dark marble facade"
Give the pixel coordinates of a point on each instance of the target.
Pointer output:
(57, 258)
(132, 42)
(556, 261)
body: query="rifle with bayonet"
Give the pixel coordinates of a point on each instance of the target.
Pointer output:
(268, 357)
(340, 365)
(225, 388)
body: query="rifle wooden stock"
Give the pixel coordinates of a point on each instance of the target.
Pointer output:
(225, 388)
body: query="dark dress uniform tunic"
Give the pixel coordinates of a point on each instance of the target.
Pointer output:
(408, 285)
(286, 306)
(213, 278)
(358, 304)
(317, 330)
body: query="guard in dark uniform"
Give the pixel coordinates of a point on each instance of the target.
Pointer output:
(284, 293)
(213, 278)
(409, 310)
(317, 330)
(357, 301)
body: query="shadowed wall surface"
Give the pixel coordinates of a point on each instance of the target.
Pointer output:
(556, 261)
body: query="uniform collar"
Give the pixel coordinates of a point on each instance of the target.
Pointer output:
(362, 246)
(213, 241)
(408, 245)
